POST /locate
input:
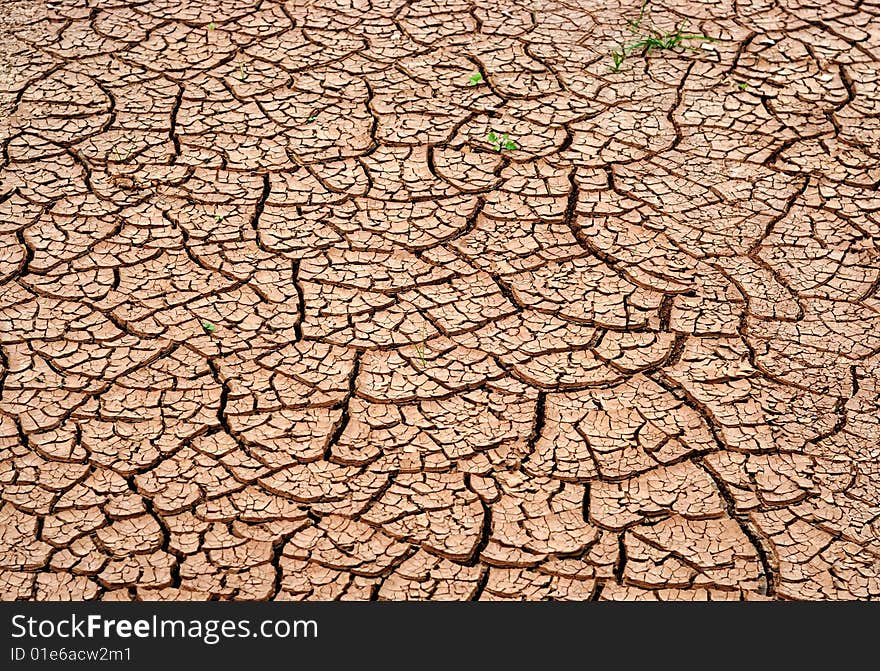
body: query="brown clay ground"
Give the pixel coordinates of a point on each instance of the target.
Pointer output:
(278, 322)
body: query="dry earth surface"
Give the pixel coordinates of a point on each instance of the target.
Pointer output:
(279, 322)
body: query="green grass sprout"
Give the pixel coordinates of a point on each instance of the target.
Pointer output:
(500, 142)
(651, 38)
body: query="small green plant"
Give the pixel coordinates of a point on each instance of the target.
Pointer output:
(635, 23)
(119, 155)
(242, 72)
(500, 142)
(219, 217)
(743, 86)
(652, 38)
(657, 40)
(420, 349)
(311, 118)
(209, 327)
(475, 79)
(211, 26)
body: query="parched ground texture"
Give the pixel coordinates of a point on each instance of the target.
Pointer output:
(279, 322)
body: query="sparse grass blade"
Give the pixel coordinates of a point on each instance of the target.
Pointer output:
(500, 142)
(656, 39)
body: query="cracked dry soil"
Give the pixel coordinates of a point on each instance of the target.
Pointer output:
(278, 321)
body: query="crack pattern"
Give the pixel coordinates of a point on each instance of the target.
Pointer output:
(278, 320)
